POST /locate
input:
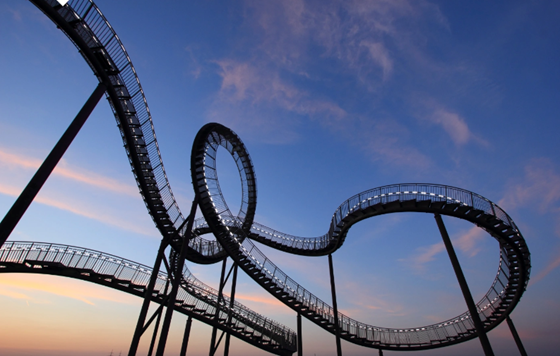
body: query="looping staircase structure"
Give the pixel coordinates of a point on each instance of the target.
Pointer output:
(235, 237)
(87, 28)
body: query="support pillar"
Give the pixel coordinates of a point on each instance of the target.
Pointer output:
(464, 288)
(299, 336)
(213, 345)
(516, 337)
(176, 281)
(36, 183)
(156, 327)
(231, 305)
(186, 337)
(335, 308)
(147, 297)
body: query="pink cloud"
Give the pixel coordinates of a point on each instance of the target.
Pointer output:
(253, 99)
(364, 301)
(356, 33)
(75, 174)
(540, 186)
(453, 124)
(379, 54)
(14, 286)
(268, 300)
(552, 265)
(467, 242)
(78, 209)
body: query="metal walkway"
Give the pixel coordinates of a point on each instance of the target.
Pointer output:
(194, 299)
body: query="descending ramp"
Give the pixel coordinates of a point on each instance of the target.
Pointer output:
(194, 299)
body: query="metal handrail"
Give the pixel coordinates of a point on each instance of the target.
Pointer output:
(194, 295)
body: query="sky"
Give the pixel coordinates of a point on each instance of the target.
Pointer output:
(331, 98)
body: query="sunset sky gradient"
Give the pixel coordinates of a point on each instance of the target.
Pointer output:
(331, 98)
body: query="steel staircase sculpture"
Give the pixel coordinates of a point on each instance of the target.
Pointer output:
(232, 233)
(195, 298)
(96, 40)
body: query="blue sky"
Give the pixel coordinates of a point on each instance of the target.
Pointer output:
(331, 98)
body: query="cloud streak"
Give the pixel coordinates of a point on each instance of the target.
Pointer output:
(64, 170)
(468, 242)
(12, 286)
(79, 209)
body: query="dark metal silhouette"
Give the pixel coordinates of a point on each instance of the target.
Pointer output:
(516, 337)
(299, 336)
(464, 287)
(84, 24)
(335, 308)
(36, 183)
(230, 231)
(186, 337)
(194, 298)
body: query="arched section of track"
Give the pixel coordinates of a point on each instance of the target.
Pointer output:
(510, 282)
(194, 299)
(84, 24)
(91, 33)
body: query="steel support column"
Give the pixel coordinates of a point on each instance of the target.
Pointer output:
(231, 305)
(176, 281)
(186, 337)
(516, 337)
(213, 345)
(147, 298)
(335, 308)
(299, 336)
(156, 327)
(464, 288)
(36, 183)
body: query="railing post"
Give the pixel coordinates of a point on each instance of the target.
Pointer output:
(464, 288)
(36, 183)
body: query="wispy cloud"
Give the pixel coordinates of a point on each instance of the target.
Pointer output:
(453, 124)
(66, 171)
(468, 242)
(364, 301)
(551, 266)
(15, 286)
(429, 110)
(255, 99)
(79, 209)
(540, 186)
(362, 36)
(268, 300)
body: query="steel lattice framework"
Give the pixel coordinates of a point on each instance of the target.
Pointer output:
(87, 28)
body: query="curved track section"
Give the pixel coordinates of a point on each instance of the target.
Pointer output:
(510, 282)
(91, 33)
(194, 299)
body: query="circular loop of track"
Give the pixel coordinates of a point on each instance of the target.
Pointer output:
(205, 177)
